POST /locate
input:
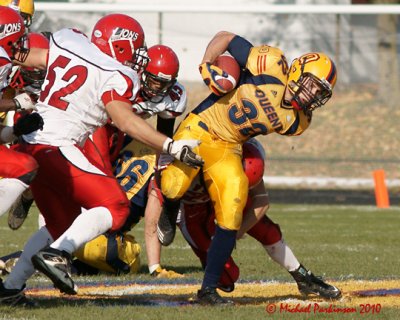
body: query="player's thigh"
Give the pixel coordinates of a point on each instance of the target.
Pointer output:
(227, 185)
(58, 209)
(68, 169)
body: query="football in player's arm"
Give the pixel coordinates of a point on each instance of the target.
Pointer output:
(271, 97)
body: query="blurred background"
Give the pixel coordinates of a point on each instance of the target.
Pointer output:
(353, 135)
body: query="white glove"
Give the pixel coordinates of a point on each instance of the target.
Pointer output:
(24, 102)
(182, 151)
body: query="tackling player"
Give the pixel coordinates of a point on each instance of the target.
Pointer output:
(270, 98)
(161, 95)
(87, 82)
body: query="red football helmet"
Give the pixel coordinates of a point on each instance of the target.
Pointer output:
(253, 161)
(12, 32)
(121, 37)
(160, 74)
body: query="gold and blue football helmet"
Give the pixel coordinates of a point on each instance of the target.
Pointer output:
(311, 80)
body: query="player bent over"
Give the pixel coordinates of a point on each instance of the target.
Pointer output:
(271, 97)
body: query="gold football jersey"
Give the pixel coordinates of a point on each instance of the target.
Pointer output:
(255, 106)
(134, 167)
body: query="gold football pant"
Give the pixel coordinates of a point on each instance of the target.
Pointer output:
(223, 172)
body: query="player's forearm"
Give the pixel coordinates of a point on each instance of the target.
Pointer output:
(218, 45)
(151, 217)
(134, 126)
(251, 218)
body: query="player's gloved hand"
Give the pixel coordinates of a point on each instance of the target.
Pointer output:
(164, 160)
(28, 123)
(210, 75)
(24, 101)
(182, 150)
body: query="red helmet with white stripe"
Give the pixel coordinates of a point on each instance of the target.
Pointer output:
(160, 74)
(12, 32)
(121, 37)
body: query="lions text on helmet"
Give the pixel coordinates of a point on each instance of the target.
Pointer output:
(12, 34)
(122, 38)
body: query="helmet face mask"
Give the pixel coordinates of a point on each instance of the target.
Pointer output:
(310, 81)
(28, 77)
(33, 78)
(161, 72)
(20, 49)
(310, 92)
(156, 88)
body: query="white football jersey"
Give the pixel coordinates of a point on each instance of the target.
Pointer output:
(77, 76)
(5, 68)
(170, 107)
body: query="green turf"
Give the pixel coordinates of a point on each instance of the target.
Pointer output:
(337, 242)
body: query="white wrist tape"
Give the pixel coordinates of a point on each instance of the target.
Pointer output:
(23, 101)
(167, 145)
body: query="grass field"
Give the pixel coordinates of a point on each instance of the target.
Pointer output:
(355, 248)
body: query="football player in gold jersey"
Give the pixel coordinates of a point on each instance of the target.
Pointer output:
(270, 97)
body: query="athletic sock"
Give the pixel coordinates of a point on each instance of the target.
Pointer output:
(10, 190)
(154, 267)
(220, 250)
(24, 269)
(283, 255)
(87, 226)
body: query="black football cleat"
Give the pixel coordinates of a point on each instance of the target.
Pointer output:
(227, 287)
(210, 296)
(56, 265)
(14, 297)
(309, 284)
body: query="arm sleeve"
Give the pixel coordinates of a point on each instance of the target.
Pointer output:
(239, 48)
